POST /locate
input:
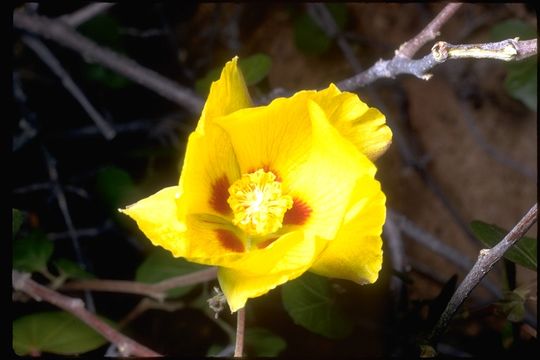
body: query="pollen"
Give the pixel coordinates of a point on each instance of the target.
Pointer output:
(258, 203)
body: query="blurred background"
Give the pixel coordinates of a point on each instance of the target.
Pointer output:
(465, 149)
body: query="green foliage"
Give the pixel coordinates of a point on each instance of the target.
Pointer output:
(115, 186)
(71, 270)
(254, 68)
(161, 265)
(263, 342)
(310, 303)
(32, 252)
(512, 306)
(522, 82)
(105, 31)
(53, 332)
(17, 219)
(310, 38)
(522, 253)
(512, 28)
(109, 78)
(522, 79)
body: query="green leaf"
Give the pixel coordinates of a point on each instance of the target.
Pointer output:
(310, 38)
(103, 29)
(96, 72)
(262, 342)
(310, 302)
(17, 218)
(71, 269)
(161, 265)
(53, 332)
(115, 186)
(214, 350)
(521, 81)
(254, 68)
(512, 28)
(512, 306)
(522, 253)
(32, 252)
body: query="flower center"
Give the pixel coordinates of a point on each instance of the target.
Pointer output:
(258, 203)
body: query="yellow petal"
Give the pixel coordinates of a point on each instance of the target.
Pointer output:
(156, 217)
(227, 94)
(209, 168)
(356, 252)
(293, 138)
(291, 251)
(325, 181)
(260, 270)
(273, 137)
(238, 287)
(364, 126)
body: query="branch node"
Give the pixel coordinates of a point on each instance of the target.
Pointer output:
(440, 51)
(124, 348)
(76, 304)
(18, 279)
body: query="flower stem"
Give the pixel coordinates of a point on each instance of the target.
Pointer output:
(240, 330)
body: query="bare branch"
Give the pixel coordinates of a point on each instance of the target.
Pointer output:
(66, 36)
(156, 291)
(432, 243)
(488, 148)
(486, 260)
(189, 279)
(320, 14)
(397, 253)
(62, 204)
(23, 282)
(430, 32)
(84, 14)
(48, 58)
(506, 50)
(240, 332)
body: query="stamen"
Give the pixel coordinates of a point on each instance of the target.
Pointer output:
(258, 203)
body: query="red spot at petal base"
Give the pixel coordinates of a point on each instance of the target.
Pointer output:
(230, 241)
(220, 194)
(298, 214)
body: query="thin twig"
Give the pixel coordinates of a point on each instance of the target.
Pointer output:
(156, 291)
(486, 260)
(66, 36)
(149, 304)
(430, 32)
(26, 123)
(437, 246)
(397, 252)
(52, 62)
(127, 346)
(320, 14)
(240, 332)
(84, 14)
(62, 204)
(87, 232)
(507, 50)
(489, 149)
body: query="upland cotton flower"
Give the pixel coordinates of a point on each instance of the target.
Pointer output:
(267, 193)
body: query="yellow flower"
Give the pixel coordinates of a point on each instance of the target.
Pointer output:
(267, 193)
